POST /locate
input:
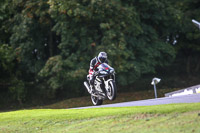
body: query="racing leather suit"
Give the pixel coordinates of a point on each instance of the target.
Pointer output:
(94, 63)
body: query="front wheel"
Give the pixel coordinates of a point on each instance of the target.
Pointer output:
(112, 90)
(96, 101)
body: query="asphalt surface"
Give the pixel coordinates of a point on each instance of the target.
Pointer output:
(194, 98)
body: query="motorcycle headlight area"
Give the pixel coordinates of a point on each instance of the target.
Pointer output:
(103, 72)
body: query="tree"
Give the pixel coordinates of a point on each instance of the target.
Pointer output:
(189, 37)
(5, 15)
(134, 36)
(10, 77)
(56, 39)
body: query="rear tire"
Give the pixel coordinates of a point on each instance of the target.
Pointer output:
(96, 101)
(112, 91)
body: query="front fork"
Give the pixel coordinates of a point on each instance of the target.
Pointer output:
(107, 84)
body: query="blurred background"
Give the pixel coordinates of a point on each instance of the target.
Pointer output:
(46, 46)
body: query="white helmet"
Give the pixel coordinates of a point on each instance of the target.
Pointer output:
(102, 57)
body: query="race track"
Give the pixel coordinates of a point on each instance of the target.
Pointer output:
(194, 98)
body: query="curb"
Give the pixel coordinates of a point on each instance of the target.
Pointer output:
(187, 91)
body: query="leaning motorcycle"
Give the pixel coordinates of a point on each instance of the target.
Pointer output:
(104, 84)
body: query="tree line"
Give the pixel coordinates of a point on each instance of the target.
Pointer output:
(46, 46)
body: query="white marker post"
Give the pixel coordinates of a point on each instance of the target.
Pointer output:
(154, 82)
(196, 23)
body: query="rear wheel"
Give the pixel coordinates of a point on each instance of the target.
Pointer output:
(112, 90)
(96, 101)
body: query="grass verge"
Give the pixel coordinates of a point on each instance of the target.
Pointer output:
(171, 118)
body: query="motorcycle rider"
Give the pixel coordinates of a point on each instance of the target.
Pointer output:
(94, 63)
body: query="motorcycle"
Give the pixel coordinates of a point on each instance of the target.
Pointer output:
(104, 84)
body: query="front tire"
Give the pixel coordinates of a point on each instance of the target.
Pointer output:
(112, 91)
(96, 101)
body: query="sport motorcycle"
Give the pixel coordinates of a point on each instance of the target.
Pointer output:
(104, 84)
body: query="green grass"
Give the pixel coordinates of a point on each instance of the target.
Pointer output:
(173, 118)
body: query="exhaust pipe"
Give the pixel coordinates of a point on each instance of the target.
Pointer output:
(87, 87)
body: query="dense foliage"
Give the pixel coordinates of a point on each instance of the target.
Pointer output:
(46, 45)
(189, 47)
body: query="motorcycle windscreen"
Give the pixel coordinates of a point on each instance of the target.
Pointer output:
(104, 66)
